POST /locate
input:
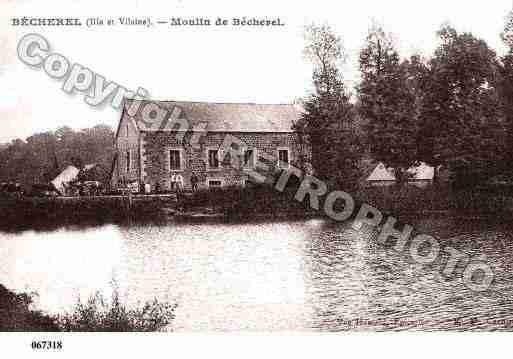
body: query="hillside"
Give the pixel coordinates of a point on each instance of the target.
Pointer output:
(40, 157)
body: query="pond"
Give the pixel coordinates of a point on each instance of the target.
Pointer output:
(286, 275)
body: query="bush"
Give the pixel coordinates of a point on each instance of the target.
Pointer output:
(52, 213)
(407, 198)
(96, 315)
(238, 202)
(16, 315)
(437, 198)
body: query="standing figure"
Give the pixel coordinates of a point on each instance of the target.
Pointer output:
(194, 182)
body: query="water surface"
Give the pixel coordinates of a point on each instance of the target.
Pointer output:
(301, 275)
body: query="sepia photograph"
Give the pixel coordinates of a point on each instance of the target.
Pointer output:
(322, 171)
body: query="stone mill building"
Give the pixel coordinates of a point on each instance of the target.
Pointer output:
(157, 153)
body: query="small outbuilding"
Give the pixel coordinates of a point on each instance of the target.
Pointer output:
(420, 176)
(72, 179)
(67, 176)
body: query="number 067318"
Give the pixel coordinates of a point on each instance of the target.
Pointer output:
(46, 345)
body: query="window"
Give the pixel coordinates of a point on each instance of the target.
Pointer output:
(128, 161)
(283, 158)
(174, 160)
(249, 158)
(247, 183)
(127, 130)
(213, 159)
(215, 184)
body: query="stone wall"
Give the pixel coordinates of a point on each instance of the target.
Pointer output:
(127, 141)
(155, 147)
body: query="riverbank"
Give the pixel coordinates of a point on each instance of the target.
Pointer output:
(16, 314)
(229, 204)
(96, 315)
(48, 213)
(235, 204)
(439, 200)
(261, 202)
(239, 204)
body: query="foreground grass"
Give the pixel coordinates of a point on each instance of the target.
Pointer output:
(96, 315)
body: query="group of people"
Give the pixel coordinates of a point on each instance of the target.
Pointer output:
(10, 187)
(176, 184)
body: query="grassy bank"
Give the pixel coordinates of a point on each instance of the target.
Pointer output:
(267, 201)
(50, 213)
(237, 203)
(234, 203)
(402, 200)
(258, 201)
(96, 315)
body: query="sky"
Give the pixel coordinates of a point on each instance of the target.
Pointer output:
(261, 65)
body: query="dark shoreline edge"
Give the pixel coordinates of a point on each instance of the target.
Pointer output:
(95, 315)
(235, 205)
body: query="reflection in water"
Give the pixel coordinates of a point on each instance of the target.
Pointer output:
(61, 266)
(265, 276)
(359, 285)
(222, 277)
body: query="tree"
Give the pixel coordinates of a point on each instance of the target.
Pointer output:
(42, 156)
(387, 103)
(460, 117)
(505, 85)
(327, 122)
(77, 162)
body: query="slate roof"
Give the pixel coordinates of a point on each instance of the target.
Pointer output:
(419, 173)
(381, 173)
(222, 117)
(67, 175)
(422, 172)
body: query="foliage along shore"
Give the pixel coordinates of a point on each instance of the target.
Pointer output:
(242, 204)
(96, 315)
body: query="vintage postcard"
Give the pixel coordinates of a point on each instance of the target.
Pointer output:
(192, 166)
